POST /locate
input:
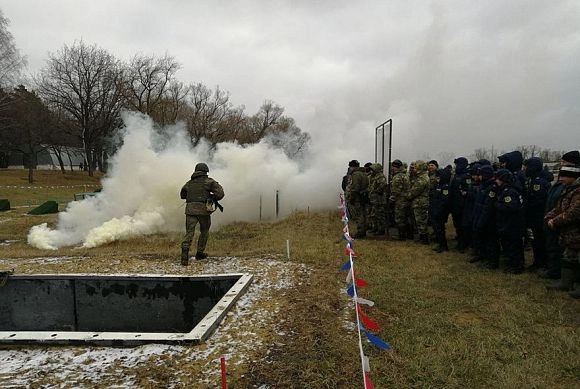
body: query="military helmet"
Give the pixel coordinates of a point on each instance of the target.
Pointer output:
(201, 167)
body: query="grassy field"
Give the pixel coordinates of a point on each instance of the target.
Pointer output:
(451, 324)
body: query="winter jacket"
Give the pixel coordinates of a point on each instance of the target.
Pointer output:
(566, 216)
(377, 185)
(484, 207)
(441, 200)
(458, 185)
(198, 190)
(357, 190)
(509, 212)
(536, 192)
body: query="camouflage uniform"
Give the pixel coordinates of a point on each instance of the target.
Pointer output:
(418, 197)
(357, 199)
(196, 192)
(399, 188)
(378, 198)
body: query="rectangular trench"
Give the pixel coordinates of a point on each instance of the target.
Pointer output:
(117, 310)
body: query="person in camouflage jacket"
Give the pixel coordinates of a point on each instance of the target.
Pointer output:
(357, 199)
(418, 197)
(565, 218)
(399, 188)
(378, 198)
(197, 192)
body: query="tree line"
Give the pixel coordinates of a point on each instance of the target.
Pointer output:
(76, 99)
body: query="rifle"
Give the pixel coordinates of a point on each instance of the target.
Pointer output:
(218, 205)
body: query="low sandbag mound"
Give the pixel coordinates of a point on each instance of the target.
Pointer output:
(4, 205)
(45, 208)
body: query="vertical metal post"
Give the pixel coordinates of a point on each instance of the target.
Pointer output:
(260, 210)
(277, 204)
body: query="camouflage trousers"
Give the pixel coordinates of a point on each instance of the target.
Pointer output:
(204, 225)
(401, 215)
(421, 216)
(358, 217)
(378, 216)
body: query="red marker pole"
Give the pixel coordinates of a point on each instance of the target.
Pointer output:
(223, 366)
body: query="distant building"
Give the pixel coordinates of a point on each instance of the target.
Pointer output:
(46, 159)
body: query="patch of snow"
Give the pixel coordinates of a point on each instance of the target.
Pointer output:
(237, 337)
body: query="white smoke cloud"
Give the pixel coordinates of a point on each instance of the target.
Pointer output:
(140, 194)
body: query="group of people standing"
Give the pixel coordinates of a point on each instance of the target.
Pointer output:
(496, 209)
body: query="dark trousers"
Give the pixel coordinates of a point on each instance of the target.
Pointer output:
(539, 244)
(488, 243)
(554, 253)
(439, 229)
(513, 248)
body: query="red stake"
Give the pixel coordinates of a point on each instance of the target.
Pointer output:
(223, 365)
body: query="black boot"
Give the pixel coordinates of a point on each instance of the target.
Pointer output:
(200, 255)
(566, 283)
(185, 256)
(401, 234)
(442, 247)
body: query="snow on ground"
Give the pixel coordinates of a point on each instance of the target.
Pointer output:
(237, 338)
(40, 260)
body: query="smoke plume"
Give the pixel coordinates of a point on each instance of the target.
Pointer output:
(140, 193)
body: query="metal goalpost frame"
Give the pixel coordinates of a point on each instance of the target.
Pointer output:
(381, 149)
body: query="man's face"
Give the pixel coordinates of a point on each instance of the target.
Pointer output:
(498, 182)
(566, 180)
(431, 167)
(413, 169)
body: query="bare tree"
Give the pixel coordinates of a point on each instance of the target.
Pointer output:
(207, 113)
(172, 107)
(267, 117)
(11, 62)
(82, 81)
(28, 127)
(147, 83)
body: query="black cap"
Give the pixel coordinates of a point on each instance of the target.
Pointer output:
(397, 163)
(572, 157)
(354, 163)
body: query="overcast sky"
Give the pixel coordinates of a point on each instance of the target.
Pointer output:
(453, 75)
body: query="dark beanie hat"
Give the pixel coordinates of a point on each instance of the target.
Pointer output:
(485, 171)
(433, 162)
(461, 161)
(397, 163)
(569, 171)
(354, 163)
(504, 175)
(572, 157)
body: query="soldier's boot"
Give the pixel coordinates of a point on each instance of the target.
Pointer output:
(575, 293)
(424, 239)
(200, 255)
(185, 255)
(566, 283)
(401, 234)
(442, 246)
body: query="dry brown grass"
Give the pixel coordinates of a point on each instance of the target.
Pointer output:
(450, 323)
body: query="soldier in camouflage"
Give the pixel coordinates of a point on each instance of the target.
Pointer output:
(378, 198)
(399, 188)
(197, 192)
(418, 197)
(357, 198)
